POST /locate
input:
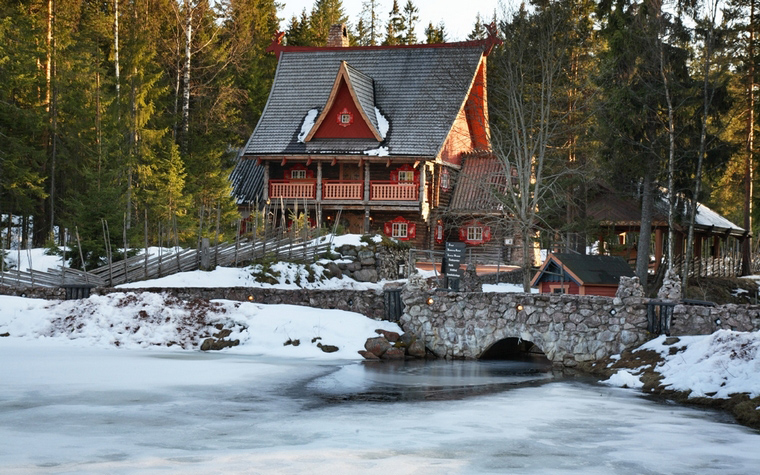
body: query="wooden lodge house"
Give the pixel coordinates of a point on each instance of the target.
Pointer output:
(377, 137)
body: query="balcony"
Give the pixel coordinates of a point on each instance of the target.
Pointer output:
(390, 191)
(342, 190)
(285, 189)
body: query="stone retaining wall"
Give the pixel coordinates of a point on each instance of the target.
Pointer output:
(698, 320)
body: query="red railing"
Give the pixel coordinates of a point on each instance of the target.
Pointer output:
(390, 191)
(293, 189)
(342, 190)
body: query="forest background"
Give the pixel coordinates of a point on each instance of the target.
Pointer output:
(130, 113)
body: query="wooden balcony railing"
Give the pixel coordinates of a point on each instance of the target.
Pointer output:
(342, 190)
(293, 189)
(390, 191)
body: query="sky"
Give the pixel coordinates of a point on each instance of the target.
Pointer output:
(459, 17)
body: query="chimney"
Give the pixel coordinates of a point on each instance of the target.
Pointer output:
(338, 37)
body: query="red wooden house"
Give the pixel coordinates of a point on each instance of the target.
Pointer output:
(376, 135)
(581, 274)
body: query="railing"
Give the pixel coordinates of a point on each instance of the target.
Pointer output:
(390, 191)
(342, 190)
(293, 190)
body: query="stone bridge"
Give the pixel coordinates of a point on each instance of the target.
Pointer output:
(569, 329)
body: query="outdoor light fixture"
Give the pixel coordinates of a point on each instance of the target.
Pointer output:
(519, 308)
(250, 298)
(430, 301)
(613, 312)
(350, 302)
(717, 321)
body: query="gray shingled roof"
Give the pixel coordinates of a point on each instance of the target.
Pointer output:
(364, 87)
(598, 270)
(247, 180)
(475, 188)
(419, 90)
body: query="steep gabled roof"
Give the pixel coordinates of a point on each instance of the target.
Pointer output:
(418, 90)
(583, 269)
(361, 88)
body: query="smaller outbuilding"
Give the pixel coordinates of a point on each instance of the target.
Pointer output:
(581, 274)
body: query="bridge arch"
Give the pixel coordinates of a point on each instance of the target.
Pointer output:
(513, 348)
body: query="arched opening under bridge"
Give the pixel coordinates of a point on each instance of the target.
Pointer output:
(515, 349)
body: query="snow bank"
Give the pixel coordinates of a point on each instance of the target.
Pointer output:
(142, 320)
(717, 365)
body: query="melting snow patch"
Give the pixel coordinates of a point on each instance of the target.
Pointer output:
(378, 152)
(382, 123)
(308, 123)
(624, 379)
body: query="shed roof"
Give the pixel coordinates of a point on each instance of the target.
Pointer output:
(419, 91)
(584, 269)
(479, 179)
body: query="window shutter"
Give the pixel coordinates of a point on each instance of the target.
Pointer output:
(463, 234)
(411, 231)
(388, 228)
(486, 233)
(394, 176)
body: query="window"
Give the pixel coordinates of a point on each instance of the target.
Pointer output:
(297, 174)
(399, 230)
(474, 233)
(345, 118)
(558, 290)
(406, 175)
(445, 180)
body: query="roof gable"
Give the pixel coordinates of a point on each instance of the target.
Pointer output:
(352, 93)
(584, 269)
(418, 93)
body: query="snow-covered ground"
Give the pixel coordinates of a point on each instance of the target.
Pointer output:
(717, 365)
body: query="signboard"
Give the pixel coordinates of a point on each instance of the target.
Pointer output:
(453, 257)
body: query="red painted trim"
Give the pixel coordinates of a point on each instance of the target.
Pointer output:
(278, 49)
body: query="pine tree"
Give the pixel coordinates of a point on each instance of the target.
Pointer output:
(410, 19)
(479, 30)
(435, 34)
(325, 14)
(370, 17)
(394, 30)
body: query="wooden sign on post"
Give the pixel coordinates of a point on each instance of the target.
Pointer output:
(453, 256)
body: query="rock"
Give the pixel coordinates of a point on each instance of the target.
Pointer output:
(212, 344)
(368, 355)
(390, 336)
(223, 333)
(335, 270)
(378, 345)
(416, 349)
(5, 334)
(370, 262)
(327, 348)
(407, 338)
(366, 275)
(394, 354)
(671, 340)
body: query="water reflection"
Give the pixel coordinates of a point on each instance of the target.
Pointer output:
(391, 381)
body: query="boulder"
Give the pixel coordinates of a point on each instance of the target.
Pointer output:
(378, 345)
(366, 275)
(368, 355)
(390, 336)
(416, 349)
(394, 354)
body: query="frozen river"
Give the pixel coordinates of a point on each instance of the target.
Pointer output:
(69, 409)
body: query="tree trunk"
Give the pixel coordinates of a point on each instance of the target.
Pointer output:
(186, 85)
(645, 229)
(748, 160)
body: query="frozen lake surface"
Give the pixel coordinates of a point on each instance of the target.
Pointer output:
(65, 408)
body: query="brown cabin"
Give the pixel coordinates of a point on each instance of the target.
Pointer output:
(565, 273)
(377, 137)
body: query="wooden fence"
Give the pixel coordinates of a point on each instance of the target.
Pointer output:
(147, 266)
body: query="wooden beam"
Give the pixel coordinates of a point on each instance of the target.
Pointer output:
(284, 161)
(258, 161)
(388, 163)
(308, 161)
(334, 161)
(416, 164)
(361, 162)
